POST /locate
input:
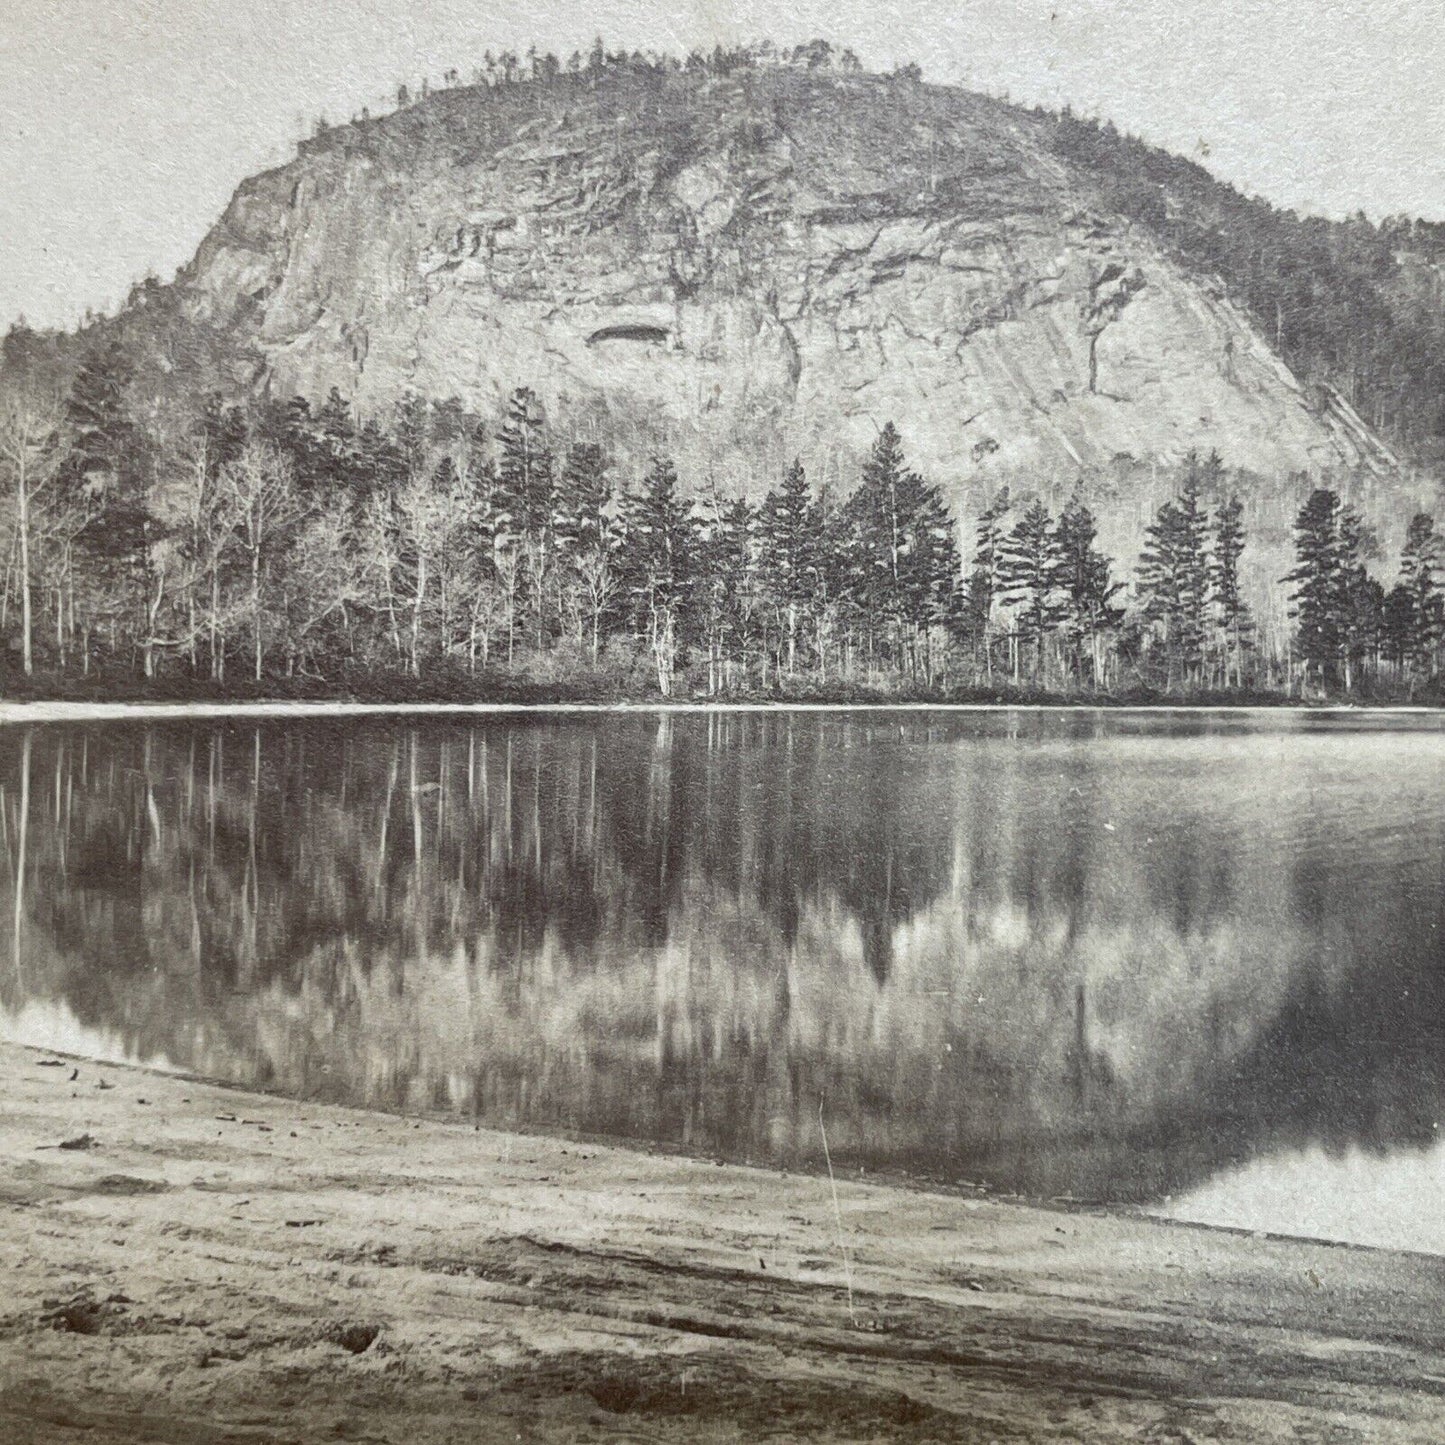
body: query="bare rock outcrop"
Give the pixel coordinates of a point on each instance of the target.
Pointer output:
(742, 269)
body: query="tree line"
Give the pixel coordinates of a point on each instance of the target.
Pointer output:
(222, 542)
(505, 68)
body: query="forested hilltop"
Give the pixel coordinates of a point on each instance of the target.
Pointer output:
(740, 375)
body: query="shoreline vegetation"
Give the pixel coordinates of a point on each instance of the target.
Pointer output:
(285, 549)
(398, 692)
(340, 1271)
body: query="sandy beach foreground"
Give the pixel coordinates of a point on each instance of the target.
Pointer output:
(208, 1265)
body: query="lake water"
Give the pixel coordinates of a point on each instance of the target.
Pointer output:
(1190, 962)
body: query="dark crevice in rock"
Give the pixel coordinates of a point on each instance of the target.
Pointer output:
(629, 333)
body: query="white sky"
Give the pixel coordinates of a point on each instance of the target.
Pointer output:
(126, 124)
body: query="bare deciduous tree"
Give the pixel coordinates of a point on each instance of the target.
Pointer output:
(29, 456)
(259, 492)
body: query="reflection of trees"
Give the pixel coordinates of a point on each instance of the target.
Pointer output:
(1020, 958)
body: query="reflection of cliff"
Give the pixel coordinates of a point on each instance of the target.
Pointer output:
(1104, 967)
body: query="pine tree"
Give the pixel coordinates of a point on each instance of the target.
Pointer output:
(1362, 599)
(1087, 590)
(377, 463)
(875, 513)
(106, 477)
(841, 617)
(935, 571)
(584, 499)
(525, 471)
(906, 551)
(983, 583)
(335, 447)
(725, 566)
(526, 477)
(1029, 582)
(225, 429)
(1174, 574)
(791, 532)
(660, 568)
(1398, 628)
(411, 435)
(1235, 624)
(586, 541)
(1419, 568)
(1329, 587)
(291, 428)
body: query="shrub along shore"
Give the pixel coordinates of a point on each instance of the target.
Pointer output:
(468, 689)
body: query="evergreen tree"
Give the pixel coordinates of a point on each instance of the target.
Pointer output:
(1235, 624)
(1086, 589)
(875, 512)
(1338, 609)
(525, 471)
(1029, 581)
(983, 582)
(106, 477)
(377, 462)
(334, 447)
(586, 540)
(1419, 580)
(584, 499)
(526, 477)
(937, 571)
(660, 568)
(725, 566)
(411, 435)
(1398, 628)
(791, 534)
(1362, 599)
(291, 428)
(224, 428)
(906, 551)
(1174, 574)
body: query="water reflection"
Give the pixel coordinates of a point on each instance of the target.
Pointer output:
(1365, 1196)
(1104, 956)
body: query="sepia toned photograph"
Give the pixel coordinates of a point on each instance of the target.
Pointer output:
(722, 723)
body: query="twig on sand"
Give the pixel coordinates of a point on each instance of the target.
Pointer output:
(837, 1215)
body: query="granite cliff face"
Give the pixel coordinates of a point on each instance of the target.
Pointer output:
(739, 269)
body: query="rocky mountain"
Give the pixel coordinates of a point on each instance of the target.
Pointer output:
(738, 268)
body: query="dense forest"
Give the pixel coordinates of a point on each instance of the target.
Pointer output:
(236, 546)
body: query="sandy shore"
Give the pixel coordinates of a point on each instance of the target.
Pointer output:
(219, 1266)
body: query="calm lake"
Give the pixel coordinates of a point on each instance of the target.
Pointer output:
(1192, 962)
